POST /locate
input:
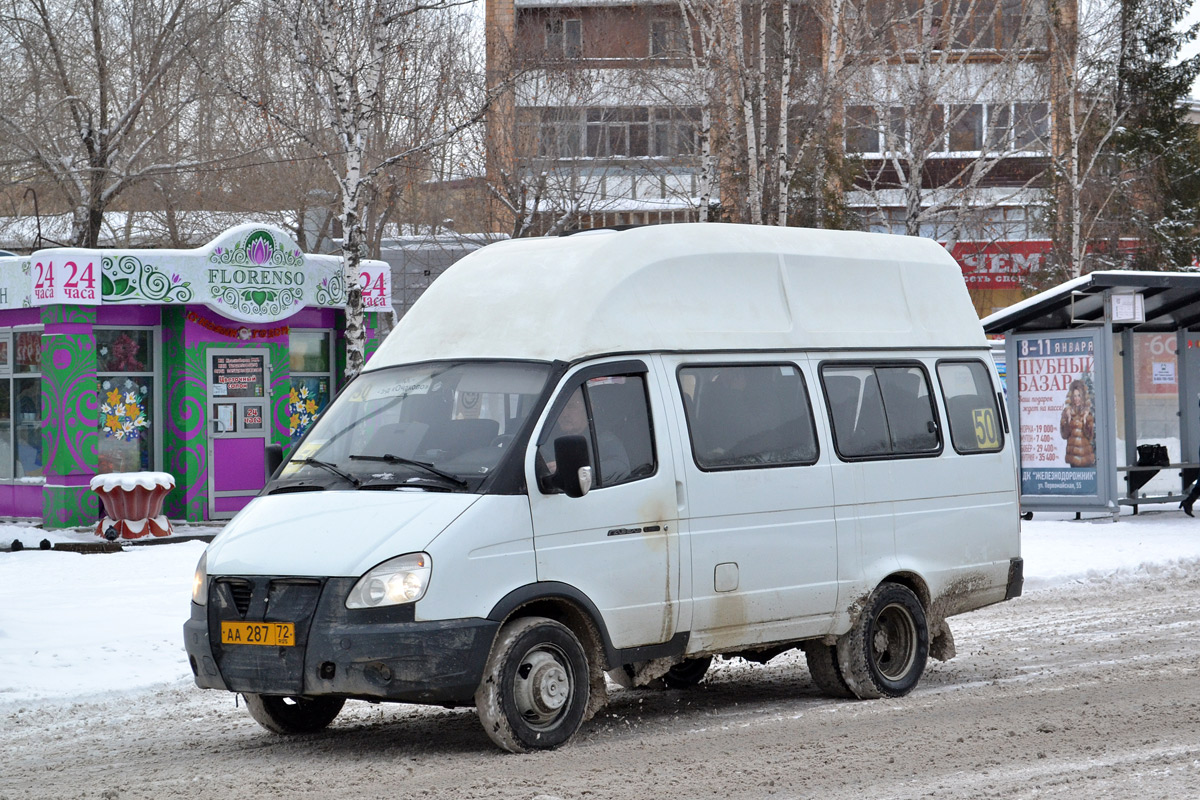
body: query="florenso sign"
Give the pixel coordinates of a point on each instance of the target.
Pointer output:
(251, 273)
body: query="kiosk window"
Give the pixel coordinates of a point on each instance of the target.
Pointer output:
(970, 407)
(128, 411)
(21, 404)
(311, 378)
(748, 416)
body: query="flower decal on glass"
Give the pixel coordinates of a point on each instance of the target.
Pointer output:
(302, 410)
(124, 414)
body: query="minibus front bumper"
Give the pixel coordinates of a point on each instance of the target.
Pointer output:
(371, 654)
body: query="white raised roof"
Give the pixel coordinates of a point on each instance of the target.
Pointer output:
(688, 287)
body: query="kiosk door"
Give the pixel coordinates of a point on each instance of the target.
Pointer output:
(238, 428)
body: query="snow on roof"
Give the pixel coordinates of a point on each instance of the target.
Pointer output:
(685, 287)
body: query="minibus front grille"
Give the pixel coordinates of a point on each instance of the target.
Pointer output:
(262, 668)
(242, 591)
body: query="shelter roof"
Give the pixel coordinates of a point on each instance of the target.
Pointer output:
(1172, 302)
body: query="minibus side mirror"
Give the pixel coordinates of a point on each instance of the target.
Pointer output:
(573, 471)
(274, 459)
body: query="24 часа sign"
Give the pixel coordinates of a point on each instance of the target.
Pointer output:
(250, 273)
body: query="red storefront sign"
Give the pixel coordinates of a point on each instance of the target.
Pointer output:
(999, 265)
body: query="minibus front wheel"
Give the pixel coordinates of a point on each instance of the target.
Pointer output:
(293, 714)
(884, 653)
(535, 689)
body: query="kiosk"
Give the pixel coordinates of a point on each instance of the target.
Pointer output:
(188, 362)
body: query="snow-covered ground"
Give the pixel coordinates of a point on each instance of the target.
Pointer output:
(74, 625)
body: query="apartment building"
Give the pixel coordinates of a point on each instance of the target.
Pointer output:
(941, 112)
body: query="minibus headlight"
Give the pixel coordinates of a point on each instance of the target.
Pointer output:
(399, 580)
(200, 581)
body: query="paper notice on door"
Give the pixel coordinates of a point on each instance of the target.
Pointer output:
(225, 417)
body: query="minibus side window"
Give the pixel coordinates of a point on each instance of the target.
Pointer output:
(971, 407)
(612, 413)
(856, 408)
(748, 415)
(880, 410)
(909, 408)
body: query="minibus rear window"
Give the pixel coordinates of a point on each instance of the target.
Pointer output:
(971, 407)
(748, 415)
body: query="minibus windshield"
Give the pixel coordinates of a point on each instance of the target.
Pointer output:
(443, 425)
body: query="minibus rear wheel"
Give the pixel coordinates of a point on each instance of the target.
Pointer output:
(293, 714)
(535, 689)
(824, 670)
(884, 653)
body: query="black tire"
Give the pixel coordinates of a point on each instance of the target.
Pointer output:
(535, 689)
(824, 669)
(885, 652)
(289, 715)
(687, 673)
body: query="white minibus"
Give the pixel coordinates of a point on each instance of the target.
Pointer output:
(622, 454)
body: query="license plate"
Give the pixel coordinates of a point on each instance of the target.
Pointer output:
(279, 634)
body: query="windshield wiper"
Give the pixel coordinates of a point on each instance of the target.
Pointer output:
(325, 465)
(391, 459)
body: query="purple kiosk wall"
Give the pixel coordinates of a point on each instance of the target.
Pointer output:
(182, 361)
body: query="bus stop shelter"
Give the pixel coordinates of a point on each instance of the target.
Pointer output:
(1103, 387)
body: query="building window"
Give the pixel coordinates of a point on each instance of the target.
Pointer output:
(614, 131)
(666, 38)
(125, 372)
(564, 38)
(966, 128)
(1023, 127)
(311, 378)
(674, 131)
(862, 129)
(560, 134)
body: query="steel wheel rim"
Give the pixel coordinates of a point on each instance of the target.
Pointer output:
(893, 642)
(543, 686)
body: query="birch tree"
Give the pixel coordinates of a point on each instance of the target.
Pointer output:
(771, 74)
(356, 58)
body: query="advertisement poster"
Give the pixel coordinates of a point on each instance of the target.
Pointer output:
(1155, 363)
(1056, 397)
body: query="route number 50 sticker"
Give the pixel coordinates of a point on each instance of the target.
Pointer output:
(987, 435)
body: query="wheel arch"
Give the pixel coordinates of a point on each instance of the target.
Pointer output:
(562, 603)
(915, 583)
